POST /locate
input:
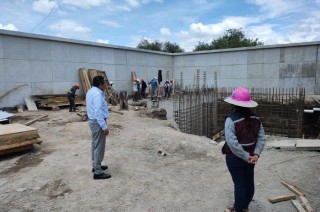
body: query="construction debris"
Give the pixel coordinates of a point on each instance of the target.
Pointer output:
(34, 120)
(4, 116)
(17, 137)
(281, 198)
(297, 145)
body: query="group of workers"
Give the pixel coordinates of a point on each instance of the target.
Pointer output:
(244, 135)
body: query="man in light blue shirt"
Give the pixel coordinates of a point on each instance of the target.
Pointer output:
(97, 111)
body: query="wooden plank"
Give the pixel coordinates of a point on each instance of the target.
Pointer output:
(29, 100)
(84, 79)
(17, 132)
(20, 144)
(298, 206)
(281, 198)
(292, 188)
(306, 204)
(34, 120)
(17, 149)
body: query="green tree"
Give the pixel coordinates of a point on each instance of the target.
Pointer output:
(159, 46)
(172, 47)
(232, 38)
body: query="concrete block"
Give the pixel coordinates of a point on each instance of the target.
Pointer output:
(21, 90)
(1, 47)
(270, 83)
(17, 71)
(15, 48)
(110, 71)
(300, 69)
(2, 72)
(39, 88)
(74, 69)
(60, 51)
(233, 72)
(122, 73)
(233, 58)
(94, 54)
(212, 59)
(107, 56)
(271, 55)
(232, 83)
(97, 66)
(189, 60)
(300, 54)
(78, 53)
(62, 87)
(3, 89)
(120, 57)
(136, 58)
(61, 71)
(40, 71)
(255, 56)
(254, 83)
(270, 71)
(40, 50)
(178, 61)
(200, 60)
(255, 71)
(307, 83)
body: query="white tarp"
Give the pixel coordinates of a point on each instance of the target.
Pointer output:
(4, 115)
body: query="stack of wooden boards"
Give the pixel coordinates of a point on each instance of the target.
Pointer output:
(17, 137)
(55, 101)
(87, 78)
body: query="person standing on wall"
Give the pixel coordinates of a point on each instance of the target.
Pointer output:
(97, 111)
(245, 140)
(71, 97)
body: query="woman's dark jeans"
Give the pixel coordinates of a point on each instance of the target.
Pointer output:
(242, 174)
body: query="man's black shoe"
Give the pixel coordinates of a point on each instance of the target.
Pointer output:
(102, 167)
(101, 176)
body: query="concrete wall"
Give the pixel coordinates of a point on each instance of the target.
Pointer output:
(284, 66)
(33, 64)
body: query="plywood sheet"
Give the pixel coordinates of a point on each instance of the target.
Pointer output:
(17, 132)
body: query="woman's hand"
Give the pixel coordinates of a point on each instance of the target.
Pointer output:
(253, 159)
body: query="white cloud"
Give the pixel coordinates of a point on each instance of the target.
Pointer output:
(111, 24)
(103, 41)
(9, 27)
(68, 28)
(85, 3)
(43, 6)
(165, 31)
(133, 3)
(273, 8)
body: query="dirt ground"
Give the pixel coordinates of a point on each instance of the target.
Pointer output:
(56, 176)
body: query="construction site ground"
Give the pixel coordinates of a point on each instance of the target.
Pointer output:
(56, 175)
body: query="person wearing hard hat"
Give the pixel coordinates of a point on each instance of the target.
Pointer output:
(71, 97)
(245, 140)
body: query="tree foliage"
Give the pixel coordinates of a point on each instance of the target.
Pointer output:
(232, 38)
(159, 46)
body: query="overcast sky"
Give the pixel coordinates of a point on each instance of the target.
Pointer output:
(185, 22)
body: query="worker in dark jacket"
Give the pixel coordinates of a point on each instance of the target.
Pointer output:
(245, 139)
(71, 97)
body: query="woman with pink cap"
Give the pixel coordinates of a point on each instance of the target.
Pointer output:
(245, 140)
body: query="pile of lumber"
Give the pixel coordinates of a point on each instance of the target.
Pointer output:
(56, 101)
(17, 137)
(301, 203)
(87, 78)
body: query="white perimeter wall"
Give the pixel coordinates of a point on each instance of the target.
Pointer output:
(33, 64)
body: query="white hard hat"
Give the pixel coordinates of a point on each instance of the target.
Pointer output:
(111, 82)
